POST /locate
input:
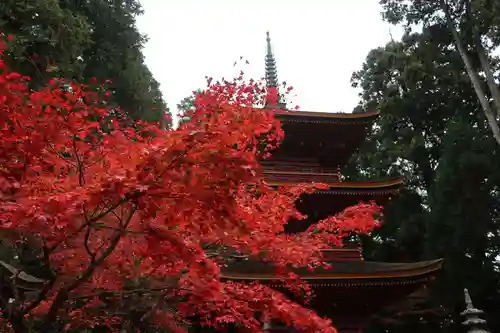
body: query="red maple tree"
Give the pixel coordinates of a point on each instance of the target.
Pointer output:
(126, 218)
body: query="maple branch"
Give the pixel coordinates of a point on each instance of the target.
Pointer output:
(87, 236)
(79, 165)
(126, 292)
(137, 232)
(64, 293)
(94, 218)
(175, 159)
(100, 159)
(91, 254)
(41, 296)
(64, 159)
(129, 196)
(106, 211)
(154, 269)
(110, 209)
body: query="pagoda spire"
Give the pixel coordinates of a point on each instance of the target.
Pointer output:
(271, 70)
(473, 322)
(272, 74)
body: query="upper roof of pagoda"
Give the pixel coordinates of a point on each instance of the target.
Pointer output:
(326, 117)
(327, 139)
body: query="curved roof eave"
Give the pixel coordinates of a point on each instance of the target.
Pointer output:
(384, 271)
(328, 115)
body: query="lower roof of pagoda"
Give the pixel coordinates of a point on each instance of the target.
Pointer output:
(340, 270)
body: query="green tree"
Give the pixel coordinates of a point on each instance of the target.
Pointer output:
(116, 54)
(474, 27)
(432, 131)
(81, 40)
(49, 38)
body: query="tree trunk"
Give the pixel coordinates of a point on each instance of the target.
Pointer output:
(490, 80)
(473, 75)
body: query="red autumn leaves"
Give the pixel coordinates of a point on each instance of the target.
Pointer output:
(114, 205)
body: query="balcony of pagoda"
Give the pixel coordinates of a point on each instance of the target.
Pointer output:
(300, 171)
(297, 177)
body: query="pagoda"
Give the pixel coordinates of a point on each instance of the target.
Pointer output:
(317, 145)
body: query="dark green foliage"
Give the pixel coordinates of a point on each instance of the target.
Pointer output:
(432, 131)
(47, 36)
(80, 40)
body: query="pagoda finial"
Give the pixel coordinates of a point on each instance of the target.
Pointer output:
(269, 47)
(473, 321)
(272, 72)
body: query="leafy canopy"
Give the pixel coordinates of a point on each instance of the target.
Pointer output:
(129, 214)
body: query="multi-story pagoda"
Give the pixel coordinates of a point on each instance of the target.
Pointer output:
(316, 147)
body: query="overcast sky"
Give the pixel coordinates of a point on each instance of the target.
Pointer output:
(317, 44)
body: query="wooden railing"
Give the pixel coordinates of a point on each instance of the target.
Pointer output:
(301, 177)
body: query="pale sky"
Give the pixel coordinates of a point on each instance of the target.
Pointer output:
(318, 44)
